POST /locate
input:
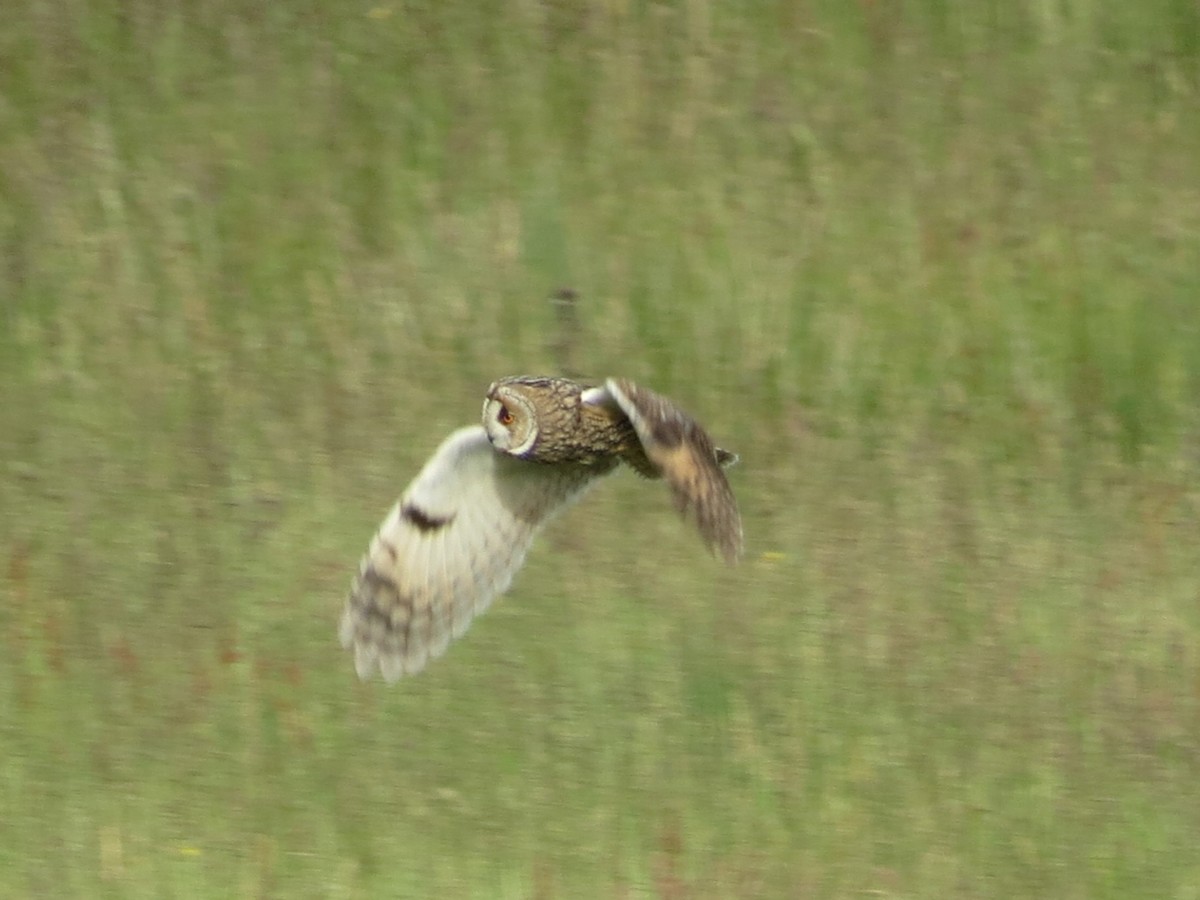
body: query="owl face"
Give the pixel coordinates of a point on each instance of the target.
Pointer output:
(510, 419)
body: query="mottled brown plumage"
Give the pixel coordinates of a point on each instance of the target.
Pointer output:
(673, 444)
(460, 532)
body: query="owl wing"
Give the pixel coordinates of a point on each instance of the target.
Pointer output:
(683, 453)
(447, 549)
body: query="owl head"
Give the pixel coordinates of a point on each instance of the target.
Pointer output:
(510, 418)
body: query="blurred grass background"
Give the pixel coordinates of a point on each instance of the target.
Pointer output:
(932, 268)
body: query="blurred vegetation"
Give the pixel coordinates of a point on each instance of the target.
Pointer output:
(931, 267)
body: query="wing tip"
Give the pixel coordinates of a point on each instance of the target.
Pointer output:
(732, 550)
(391, 665)
(723, 542)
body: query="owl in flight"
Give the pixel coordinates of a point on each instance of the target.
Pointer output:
(459, 533)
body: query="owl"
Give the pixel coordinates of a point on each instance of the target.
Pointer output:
(460, 532)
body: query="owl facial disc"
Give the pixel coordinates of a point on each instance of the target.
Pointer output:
(510, 421)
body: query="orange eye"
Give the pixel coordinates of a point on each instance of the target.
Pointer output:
(504, 417)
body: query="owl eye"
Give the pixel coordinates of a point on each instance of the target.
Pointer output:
(504, 417)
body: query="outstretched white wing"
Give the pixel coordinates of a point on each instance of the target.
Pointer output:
(447, 549)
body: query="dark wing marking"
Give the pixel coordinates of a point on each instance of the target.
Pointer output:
(423, 520)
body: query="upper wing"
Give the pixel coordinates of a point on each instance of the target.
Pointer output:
(447, 549)
(683, 452)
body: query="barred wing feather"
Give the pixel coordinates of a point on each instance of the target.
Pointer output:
(447, 549)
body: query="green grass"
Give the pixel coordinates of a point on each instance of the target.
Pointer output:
(931, 268)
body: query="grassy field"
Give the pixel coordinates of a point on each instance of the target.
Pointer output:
(932, 268)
